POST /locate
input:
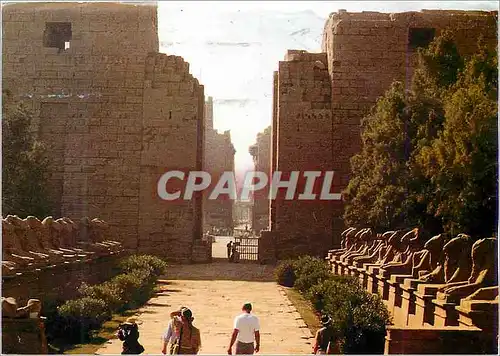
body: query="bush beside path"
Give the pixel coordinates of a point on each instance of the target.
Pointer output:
(215, 293)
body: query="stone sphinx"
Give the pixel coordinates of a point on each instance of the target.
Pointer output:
(377, 253)
(54, 236)
(88, 239)
(390, 253)
(483, 273)
(344, 238)
(100, 232)
(10, 308)
(408, 257)
(66, 234)
(38, 232)
(369, 242)
(357, 244)
(41, 242)
(67, 237)
(13, 253)
(430, 267)
(457, 262)
(346, 242)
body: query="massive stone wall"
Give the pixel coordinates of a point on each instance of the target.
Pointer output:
(219, 158)
(115, 113)
(303, 137)
(368, 51)
(172, 139)
(320, 99)
(261, 153)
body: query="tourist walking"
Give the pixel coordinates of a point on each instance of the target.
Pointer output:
(245, 333)
(189, 340)
(229, 250)
(235, 256)
(171, 335)
(326, 338)
(128, 332)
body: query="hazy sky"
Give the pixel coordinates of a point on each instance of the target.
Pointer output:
(234, 47)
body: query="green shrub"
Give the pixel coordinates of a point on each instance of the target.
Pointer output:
(361, 317)
(112, 294)
(155, 265)
(285, 273)
(137, 287)
(79, 317)
(310, 271)
(74, 320)
(358, 316)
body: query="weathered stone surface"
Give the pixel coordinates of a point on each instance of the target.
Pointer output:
(218, 158)
(261, 153)
(320, 98)
(30, 244)
(115, 114)
(467, 297)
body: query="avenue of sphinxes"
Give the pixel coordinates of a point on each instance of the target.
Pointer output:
(441, 293)
(115, 113)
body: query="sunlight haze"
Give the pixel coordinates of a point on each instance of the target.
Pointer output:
(234, 47)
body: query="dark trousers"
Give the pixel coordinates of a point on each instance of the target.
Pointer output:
(243, 348)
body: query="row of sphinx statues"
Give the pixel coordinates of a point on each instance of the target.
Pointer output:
(31, 243)
(460, 265)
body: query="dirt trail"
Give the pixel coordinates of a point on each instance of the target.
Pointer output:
(215, 293)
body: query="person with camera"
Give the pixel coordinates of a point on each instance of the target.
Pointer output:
(171, 336)
(128, 332)
(189, 340)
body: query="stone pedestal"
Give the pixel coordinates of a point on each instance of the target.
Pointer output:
(334, 265)
(383, 287)
(24, 336)
(353, 271)
(342, 268)
(445, 313)
(424, 307)
(408, 304)
(479, 313)
(362, 277)
(372, 278)
(449, 340)
(395, 299)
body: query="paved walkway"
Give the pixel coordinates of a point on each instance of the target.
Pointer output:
(215, 293)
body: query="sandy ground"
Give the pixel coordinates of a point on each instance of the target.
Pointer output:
(215, 293)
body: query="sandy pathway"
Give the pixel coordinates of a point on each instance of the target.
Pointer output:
(215, 293)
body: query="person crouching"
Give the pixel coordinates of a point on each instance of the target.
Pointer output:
(128, 332)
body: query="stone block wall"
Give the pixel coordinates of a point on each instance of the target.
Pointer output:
(368, 51)
(114, 112)
(303, 139)
(261, 152)
(320, 99)
(172, 139)
(219, 158)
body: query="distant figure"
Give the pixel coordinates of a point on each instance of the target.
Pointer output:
(229, 250)
(326, 338)
(246, 227)
(235, 256)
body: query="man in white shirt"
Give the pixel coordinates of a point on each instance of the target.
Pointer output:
(245, 333)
